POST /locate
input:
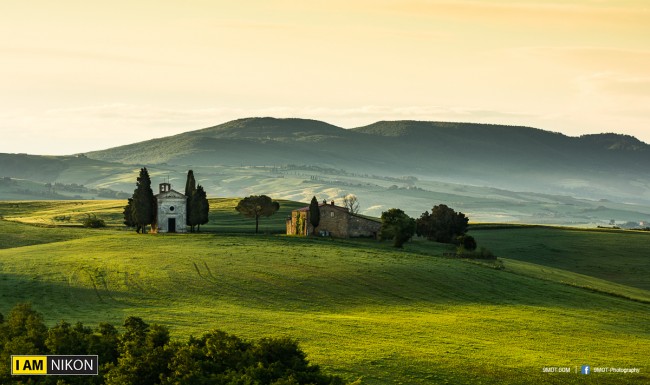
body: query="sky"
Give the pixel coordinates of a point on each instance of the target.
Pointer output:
(79, 75)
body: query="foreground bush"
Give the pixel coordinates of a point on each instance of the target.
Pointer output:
(483, 253)
(143, 354)
(467, 242)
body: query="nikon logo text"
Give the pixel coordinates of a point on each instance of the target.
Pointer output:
(55, 365)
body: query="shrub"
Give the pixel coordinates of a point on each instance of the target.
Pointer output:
(484, 253)
(467, 241)
(93, 222)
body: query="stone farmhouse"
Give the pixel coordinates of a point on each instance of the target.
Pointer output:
(335, 221)
(171, 210)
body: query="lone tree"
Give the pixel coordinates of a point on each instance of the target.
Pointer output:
(190, 189)
(442, 225)
(143, 204)
(396, 225)
(200, 207)
(256, 206)
(352, 203)
(314, 213)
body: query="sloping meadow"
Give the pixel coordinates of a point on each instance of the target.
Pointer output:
(359, 308)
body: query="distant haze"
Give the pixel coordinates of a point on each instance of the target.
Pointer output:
(79, 76)
(492, 173)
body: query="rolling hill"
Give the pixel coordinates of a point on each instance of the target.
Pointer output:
(516, 158)
(493, 173)
(359, 308)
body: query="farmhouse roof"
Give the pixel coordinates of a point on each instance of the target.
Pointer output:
(306, 208)
(344, 209)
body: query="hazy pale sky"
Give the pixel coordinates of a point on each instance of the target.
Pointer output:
(85, 75)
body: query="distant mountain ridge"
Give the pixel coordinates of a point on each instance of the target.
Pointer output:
(493, 172)
(265, 130)
(396, 147)
(518, 158)
(515, 158)
(612, 141)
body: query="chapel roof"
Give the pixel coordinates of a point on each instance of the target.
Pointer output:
(170, 194)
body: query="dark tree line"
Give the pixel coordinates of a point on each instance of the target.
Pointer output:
(443, 224)
(144, 354)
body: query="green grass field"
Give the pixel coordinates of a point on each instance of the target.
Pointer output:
(359, 307)
(615, 255)
(223, 217)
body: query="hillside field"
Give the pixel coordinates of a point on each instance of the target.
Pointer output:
(360, 308)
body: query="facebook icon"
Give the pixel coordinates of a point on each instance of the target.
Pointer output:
(585, 369)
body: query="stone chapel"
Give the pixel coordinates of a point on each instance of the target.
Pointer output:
(171, 210)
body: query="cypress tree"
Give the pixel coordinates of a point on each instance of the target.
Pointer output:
(143, 201)
(314, 213)
(128, 214)
(201, 207)
(190, 189)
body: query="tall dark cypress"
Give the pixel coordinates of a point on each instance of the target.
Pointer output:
(143, 201)
(190, 189)
(314, 213)
(190, 184)
(201, 207)
(128, 214)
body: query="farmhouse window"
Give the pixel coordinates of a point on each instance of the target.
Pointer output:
(332, 214)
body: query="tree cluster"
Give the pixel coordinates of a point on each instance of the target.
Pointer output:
(198, 207)
(443, 224)
(143, 354)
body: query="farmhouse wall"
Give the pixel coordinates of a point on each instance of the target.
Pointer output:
(296, 226)
(363, 227)
(335, 221)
